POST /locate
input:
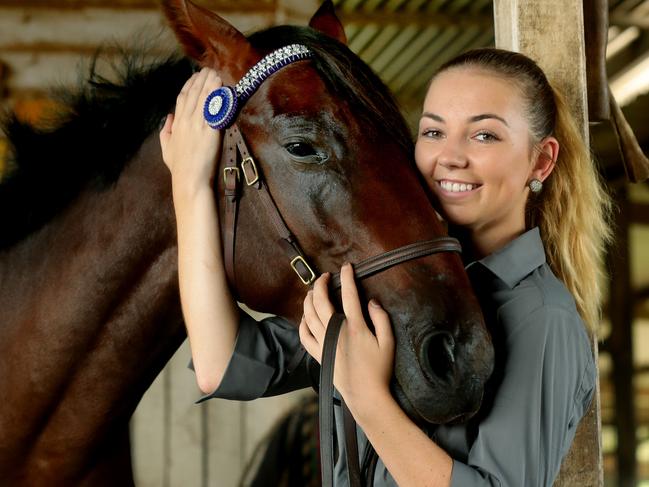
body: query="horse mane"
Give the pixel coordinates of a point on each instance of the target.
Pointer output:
(106, 121)
(101, 127)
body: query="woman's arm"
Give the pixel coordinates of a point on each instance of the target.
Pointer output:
(362, 374)
(546, 384)
(190, 148)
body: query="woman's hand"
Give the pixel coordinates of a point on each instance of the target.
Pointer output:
(189, 145)
(364, 361)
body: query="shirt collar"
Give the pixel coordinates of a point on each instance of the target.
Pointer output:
(517, 259)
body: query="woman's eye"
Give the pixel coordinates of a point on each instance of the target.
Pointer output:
(431, 133)
(486, 137)
(305, 152)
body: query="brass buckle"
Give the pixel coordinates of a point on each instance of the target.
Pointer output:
(294, 262)
(249, 160)
(233, 169)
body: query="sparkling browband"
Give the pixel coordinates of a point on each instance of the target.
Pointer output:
(222, 104)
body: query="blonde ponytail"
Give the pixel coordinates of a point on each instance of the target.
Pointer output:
(573, 215)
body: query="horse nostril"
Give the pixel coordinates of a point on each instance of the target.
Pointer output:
(439, 355)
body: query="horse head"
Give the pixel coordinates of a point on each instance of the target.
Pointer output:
(338, 161)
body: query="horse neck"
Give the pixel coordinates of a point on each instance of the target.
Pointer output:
(90, 313)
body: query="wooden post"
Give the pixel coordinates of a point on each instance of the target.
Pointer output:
(621, 344)
(552, 33)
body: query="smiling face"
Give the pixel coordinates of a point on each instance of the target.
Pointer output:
(475, 151)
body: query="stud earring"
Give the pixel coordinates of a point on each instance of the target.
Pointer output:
(535, 186)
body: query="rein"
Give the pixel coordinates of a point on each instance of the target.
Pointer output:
(220, 111)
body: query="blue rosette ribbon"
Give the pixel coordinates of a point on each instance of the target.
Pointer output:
(220, 107)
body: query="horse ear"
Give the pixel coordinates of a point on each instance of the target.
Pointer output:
(209, 39)
(326, 21)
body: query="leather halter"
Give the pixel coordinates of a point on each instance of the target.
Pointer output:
(236, 159)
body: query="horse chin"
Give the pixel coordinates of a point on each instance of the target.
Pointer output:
(423, 418)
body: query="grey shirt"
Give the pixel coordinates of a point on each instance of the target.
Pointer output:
(542, 384)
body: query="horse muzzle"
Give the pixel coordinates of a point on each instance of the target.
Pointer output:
(442, 377)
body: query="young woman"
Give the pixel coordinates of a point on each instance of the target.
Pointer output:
(498, 147)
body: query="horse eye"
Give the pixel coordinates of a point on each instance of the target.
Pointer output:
(305, 152)
(300, 149)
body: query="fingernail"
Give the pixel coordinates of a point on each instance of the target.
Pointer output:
(374, 303)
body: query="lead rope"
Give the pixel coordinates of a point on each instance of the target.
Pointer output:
(326, 412)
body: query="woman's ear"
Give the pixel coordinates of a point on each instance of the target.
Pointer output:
(545, 158)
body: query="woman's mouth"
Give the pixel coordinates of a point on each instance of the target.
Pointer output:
(457, 186)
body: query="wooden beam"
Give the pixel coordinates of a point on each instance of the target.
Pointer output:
(641, 294)
(45, 46)
(629, 20)
(639, 213)
(251, 6)
(4, 74)
(295, 12)
(461, 20)
(22, 30)
(621, 346)
(536, 29)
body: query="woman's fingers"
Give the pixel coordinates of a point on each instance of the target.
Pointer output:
(321, 301)
(308, 341)
(182, 96)
(351, 302)
(313, 321)
(212, 82)
(192, 96)
(382, 326)
(165, 133)
(194, 92)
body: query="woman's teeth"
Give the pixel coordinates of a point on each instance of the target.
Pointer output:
(457, 187)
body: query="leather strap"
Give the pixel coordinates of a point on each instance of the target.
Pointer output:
(326, 412)
(234, 168)
(351, 446)
(379, 263)
(231, 179)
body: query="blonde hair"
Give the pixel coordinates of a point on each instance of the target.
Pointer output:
(573, 209)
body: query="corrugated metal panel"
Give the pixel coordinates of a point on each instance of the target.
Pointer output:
(405, 41)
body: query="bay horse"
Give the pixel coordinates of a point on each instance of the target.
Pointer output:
(89, 300)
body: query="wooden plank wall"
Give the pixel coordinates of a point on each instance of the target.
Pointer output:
(178, 443)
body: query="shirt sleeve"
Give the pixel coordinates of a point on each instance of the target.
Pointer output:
(268, 359)
(548, 379)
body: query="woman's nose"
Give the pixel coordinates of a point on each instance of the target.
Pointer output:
(453, 159)
(452, 155)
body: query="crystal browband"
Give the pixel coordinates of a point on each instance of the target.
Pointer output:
(222, 105)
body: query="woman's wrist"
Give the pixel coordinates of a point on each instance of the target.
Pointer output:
(186, 190)
(363, 405)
